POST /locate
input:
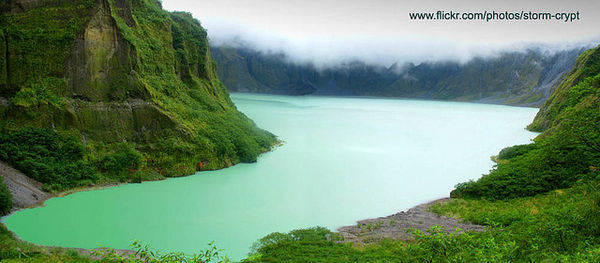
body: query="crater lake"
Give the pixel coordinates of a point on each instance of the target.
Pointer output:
(342, 160)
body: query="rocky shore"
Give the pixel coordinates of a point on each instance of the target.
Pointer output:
(395, 226)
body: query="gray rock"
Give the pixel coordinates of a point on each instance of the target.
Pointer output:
(26, 192)
(396, 226)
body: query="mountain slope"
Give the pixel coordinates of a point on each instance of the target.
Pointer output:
(568, 149)
(514, 78)
(587, 65)
(118, 75)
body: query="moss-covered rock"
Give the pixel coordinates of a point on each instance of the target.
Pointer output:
(114, 71)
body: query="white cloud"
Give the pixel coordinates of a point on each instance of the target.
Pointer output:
(328, 32)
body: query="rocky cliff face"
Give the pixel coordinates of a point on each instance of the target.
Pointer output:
(101, 59)
(114, 71)
(515, 78)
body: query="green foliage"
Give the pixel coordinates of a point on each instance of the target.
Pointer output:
(11, 247)
(40, 92)
(144, 254)
(39, 40)
(438, 246)
(321, 245)
(121, 162)
(179, 74)
(514, 151)
(44, 155)
(585, 88)
(558, 224)
(5, 199)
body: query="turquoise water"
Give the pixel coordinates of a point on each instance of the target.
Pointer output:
(344, 159)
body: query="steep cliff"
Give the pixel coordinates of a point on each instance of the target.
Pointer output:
(514, 78)
(111, 72)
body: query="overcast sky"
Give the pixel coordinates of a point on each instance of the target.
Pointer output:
(379, 31)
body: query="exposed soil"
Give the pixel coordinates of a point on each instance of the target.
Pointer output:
(395, 226)
(26, 192)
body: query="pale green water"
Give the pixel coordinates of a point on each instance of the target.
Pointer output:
(344, 159)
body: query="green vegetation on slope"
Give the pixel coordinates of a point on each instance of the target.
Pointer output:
(320, 245)
(568, 151)
(48, 158)
(61, 162)
(130, 87)
(587, 65)
(561, 223)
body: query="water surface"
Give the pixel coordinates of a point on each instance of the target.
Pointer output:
(343, 159)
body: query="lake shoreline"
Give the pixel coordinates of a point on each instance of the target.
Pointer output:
(365, 231)
(28, 193)
(487, 101)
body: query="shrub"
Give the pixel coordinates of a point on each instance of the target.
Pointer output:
(124, 159)
(54, 160)
(514, 151)
(145, 254)
(5, 199)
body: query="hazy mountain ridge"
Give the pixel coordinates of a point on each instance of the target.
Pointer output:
(514, 78)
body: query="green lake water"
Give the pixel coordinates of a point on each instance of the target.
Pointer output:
(343, 159)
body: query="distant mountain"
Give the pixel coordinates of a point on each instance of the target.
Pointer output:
(515, 78)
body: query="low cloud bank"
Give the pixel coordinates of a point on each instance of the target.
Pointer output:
(336, 52)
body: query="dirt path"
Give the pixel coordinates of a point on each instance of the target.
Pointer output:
(395, 226)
